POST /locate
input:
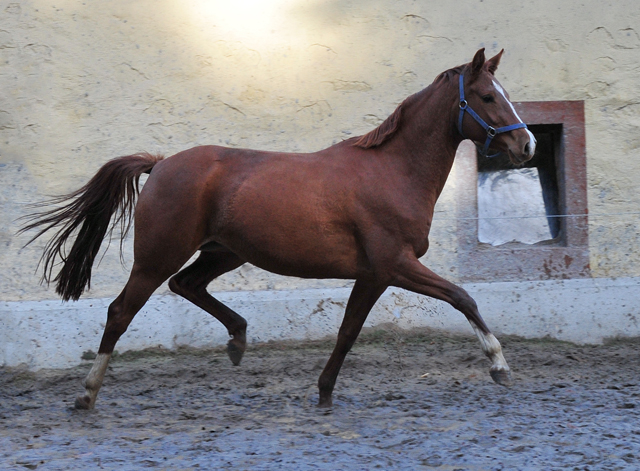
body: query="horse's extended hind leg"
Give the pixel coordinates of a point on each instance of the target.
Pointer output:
(191, 284)
(122, 310)
(363, 296)
(415, 277)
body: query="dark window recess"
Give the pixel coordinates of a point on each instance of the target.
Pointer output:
(548, 137)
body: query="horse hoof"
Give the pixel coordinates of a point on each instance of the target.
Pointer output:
(502, 377)
(327, 404)
(83, 403)
(235, 352)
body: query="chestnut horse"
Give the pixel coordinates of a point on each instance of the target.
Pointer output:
(360, 209)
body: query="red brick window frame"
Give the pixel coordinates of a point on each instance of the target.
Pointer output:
(567, 255)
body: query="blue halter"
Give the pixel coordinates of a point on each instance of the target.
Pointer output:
(491, 131)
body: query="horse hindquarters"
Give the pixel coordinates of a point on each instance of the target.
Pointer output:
(166, 228)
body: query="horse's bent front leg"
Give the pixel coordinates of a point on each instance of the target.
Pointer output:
(415, 277)
(363, 296)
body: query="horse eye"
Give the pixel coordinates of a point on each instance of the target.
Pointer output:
(487, 99)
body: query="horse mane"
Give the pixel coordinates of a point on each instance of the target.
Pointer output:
(390, 125)
(383, 132)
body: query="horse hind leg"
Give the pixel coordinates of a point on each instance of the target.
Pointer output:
(415, 277)
(191, 284)
(122, 310)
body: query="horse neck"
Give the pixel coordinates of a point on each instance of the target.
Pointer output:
(426, 139)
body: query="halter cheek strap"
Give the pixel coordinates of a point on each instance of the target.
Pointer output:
(491, 131)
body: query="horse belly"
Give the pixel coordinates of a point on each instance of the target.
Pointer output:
(294, 238)
(306, 252)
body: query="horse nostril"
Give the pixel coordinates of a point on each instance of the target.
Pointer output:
(527, 149)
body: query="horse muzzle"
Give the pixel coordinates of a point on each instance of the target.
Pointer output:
(523, 149)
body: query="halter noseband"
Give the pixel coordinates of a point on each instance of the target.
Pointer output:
(491, 131)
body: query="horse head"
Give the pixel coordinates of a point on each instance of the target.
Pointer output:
(492, 121)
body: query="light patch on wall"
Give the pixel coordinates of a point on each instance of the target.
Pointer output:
(256, 23)
(511, 207)
(282, 45)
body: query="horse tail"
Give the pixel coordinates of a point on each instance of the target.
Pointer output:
(89, 211)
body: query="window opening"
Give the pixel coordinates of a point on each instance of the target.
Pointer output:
(559, 171)
(521, 203)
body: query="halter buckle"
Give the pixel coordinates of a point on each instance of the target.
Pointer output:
(463, 104)
(491, 131)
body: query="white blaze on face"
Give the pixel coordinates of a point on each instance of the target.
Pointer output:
(532, 139)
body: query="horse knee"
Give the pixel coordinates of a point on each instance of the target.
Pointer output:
(468, 304)
(462, 301)
(326, 383)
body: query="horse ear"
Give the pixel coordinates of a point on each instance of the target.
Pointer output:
(477, 63)
(492, 64)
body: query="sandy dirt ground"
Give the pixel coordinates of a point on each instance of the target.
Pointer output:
(420, 400)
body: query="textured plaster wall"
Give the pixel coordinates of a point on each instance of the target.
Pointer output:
(83, 82)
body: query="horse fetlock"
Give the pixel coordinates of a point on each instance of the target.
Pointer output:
(92, 383)
(490, 345)
(500, 372)
(240, 334)
(498, 363)
(325, 389)
(326, 392)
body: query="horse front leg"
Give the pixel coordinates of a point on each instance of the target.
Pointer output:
(363, 296)
(414, 276)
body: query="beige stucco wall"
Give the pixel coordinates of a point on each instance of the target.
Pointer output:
(83, 82)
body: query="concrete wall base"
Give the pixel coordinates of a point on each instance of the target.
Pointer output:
(52, 334)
